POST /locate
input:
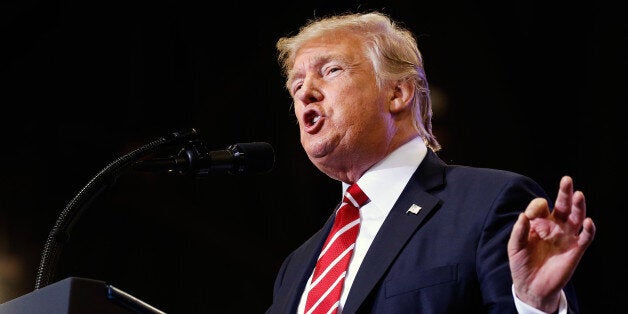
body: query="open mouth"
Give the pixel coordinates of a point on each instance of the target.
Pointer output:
(312, 120)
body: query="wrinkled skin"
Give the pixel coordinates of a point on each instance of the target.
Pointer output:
(347, 124)
(545, 247)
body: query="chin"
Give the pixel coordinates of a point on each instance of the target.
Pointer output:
(316, 149)
(316, 155)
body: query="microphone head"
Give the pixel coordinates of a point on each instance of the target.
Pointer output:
(254, 157)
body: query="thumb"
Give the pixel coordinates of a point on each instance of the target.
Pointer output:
(519, 235)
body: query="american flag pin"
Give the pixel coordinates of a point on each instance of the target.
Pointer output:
(414, 209)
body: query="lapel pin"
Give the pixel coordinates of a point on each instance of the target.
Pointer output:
(414, 209)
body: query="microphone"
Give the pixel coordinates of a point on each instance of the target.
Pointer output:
(195, 159)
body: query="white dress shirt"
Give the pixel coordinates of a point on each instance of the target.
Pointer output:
(383, 184)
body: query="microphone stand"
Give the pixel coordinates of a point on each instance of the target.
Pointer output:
(60, 232)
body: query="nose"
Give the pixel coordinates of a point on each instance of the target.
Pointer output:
(310, 91)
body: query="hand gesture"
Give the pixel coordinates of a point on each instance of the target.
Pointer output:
(545, 247)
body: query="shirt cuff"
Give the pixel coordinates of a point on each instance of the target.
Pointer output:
(524, 308)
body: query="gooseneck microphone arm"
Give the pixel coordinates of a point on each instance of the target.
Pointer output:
(59, 234)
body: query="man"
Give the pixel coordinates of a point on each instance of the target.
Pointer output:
(430, 237)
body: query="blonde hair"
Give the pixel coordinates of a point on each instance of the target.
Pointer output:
(393, 52)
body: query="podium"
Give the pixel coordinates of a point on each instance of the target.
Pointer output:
(75, 295)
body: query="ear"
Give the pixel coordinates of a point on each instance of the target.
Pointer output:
(402, 94)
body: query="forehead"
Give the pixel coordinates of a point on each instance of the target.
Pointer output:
(338, 46)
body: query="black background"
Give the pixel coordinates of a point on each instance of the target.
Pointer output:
(529, 86)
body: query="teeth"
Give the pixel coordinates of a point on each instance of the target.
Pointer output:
(315, 119)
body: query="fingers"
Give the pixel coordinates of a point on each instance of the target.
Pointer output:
(562, 206)
(587, 234)
(537, 212)
(520, 235)
(570, 206)
(578, 209)
(538, 208)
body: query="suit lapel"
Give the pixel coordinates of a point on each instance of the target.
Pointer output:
(399, 226)
(308, 258)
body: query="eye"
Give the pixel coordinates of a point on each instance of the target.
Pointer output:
(331, 70)
(296, 86)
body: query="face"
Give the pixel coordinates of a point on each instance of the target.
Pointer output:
(344, 118)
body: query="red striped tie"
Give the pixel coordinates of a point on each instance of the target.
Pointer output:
(331, 267)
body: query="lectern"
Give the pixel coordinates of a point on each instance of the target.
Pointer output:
(75, 295)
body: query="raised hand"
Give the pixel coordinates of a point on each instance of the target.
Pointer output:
(545, 247)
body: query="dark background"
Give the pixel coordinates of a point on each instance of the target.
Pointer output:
(529, 86)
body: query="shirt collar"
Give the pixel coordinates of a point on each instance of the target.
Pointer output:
(384, 181)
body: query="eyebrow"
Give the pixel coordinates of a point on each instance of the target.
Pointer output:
(318, 60)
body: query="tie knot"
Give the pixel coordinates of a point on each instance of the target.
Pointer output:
(356, 196)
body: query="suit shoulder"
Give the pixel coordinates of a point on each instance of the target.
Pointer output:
(497, 174)
(489, 177)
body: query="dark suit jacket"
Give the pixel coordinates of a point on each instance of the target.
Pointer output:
(451, 257)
